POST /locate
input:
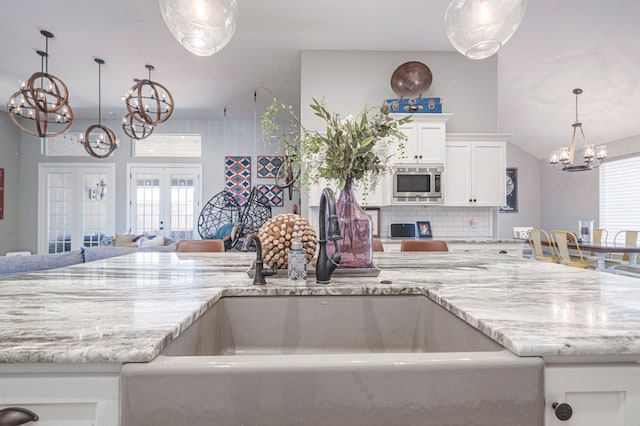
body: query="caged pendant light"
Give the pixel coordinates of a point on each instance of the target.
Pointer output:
(98, 140)
(40, 107)
(148, 102)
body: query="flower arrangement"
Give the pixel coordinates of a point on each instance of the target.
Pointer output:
(353, 148)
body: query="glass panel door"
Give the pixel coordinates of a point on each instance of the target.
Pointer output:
(75, 209)
(165, 200)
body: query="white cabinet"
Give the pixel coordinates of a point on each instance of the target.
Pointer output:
(475, 173)
(425, 144)
(597, 394)
(63, 396)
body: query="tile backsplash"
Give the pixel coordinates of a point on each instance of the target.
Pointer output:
(446, 222)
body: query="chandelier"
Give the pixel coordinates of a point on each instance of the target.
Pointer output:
(203, 27)
(149, 102)
(562, 159)
(98, 140)
(41, 106)
(479, 28)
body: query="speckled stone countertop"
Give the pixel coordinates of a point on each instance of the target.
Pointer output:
(126, 309)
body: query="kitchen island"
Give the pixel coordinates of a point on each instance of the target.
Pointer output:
(80, 324)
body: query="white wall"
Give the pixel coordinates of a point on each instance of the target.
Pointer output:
(528, 192)
(239, 140)
(10, 162)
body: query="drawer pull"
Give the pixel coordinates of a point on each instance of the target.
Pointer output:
(14, 416)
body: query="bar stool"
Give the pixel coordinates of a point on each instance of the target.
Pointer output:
(423, 245)
(194, 246)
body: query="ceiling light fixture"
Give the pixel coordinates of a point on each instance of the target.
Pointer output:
(479, 28)
(149, 102)
(98, 140)
(203, 27)
(41, 106)
(562, 159)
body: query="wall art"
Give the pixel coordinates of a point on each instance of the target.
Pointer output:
(268, 165)
(237, 172)
(512, 191)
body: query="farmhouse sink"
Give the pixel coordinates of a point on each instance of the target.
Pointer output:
(327, 324)
(332, 360)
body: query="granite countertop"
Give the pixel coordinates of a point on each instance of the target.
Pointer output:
(458, 240)
(127, 309)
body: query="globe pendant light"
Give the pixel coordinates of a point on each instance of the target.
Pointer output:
(203, 27)
(479, 28)
(41, 106)
(149, 102)
(99, 141)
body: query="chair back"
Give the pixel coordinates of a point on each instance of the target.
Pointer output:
(600, 236)
(561, 240)
(536, 237)
(630, 240)
(194, 246)
(377, 245)
(423, 245)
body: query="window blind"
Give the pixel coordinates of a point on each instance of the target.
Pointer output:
(620, 196)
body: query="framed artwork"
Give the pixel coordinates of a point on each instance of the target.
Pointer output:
(374, 214)
(237, 172)
(424, 229)
(1, 193)
(512, 192)
(268, 165)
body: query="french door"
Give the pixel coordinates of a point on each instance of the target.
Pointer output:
(76, 205)
(165, 199)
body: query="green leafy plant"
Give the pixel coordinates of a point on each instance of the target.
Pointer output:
(356, 148)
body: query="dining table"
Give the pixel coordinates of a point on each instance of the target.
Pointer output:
(601, 251)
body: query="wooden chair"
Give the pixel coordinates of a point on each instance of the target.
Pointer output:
(535, 241)
(377, 245)
(561, 240)
(194, 246)
(423, 245)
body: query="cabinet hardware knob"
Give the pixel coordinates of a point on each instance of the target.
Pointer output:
(14, 416)
(474, 200)
(415, 156)
(470, 200)
(563, 411)
(420, 156)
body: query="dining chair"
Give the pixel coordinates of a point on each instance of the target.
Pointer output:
(561, 240)
(600, 236)
(194, 246)
(377, 245)
(536, 237)
(630, 240)
(423, 245)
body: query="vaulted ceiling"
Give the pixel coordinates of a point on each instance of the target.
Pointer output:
(560, 45)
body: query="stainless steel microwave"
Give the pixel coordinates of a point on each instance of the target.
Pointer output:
(418, 183)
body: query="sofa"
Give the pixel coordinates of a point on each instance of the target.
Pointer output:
(18, 265)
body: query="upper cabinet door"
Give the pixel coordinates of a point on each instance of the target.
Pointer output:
(426, 140)
(475, 172)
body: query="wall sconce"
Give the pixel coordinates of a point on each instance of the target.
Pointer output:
(98, 192)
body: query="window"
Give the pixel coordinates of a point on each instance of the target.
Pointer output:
(67, 145)
(168, 145)
(620, 196)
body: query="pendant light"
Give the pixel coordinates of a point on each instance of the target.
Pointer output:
(99, 140)
(203, 27)
(41, 106)
(479, 28)
(149, 102)
(593, 156)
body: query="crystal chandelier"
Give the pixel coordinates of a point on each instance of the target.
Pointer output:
(562, 159)
(479, 28)
(98, 140)
(41, 106)
(203, 27)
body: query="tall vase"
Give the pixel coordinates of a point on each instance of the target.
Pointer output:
(356, 246)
